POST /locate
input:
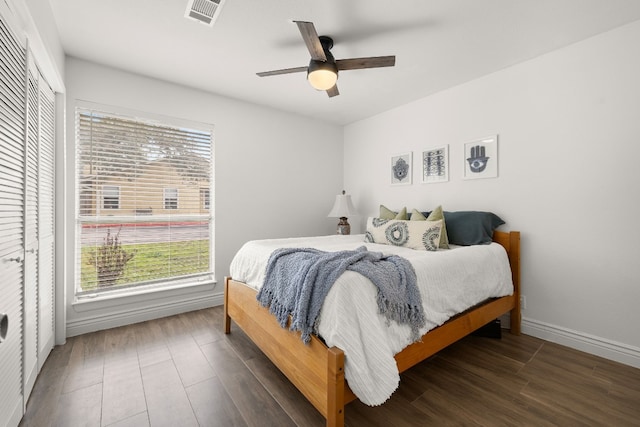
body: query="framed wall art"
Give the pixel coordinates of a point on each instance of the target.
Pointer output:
(401, 169)
(435, 165)
(481, 158)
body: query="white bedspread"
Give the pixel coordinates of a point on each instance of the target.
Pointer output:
(450, 282)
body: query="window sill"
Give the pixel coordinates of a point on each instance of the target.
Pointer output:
(148, 294)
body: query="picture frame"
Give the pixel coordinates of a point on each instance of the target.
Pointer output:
(401, 169)
(481, 158)
(435, 165)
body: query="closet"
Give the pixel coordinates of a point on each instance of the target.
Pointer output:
(26, 223)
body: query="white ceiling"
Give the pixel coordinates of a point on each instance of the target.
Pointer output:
(438, 44)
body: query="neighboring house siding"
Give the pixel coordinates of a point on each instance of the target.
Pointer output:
(154, 179)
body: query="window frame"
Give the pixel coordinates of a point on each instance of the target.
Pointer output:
(204, 279)
(104, 198)
(205, 197)
(168, 202)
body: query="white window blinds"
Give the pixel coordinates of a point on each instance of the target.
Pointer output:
(140, 214)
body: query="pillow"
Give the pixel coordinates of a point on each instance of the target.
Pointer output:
(436, 215)
(471, 227)
(421, 235)
(386, 213)
(417, 216)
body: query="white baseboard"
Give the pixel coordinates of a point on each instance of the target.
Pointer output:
(136, 315)
(612, 350)
(30, 381)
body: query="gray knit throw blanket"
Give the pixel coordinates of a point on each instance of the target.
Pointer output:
(298, 280)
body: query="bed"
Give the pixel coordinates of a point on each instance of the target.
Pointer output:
(318, 369)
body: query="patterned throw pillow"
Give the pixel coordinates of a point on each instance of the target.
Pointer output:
(421, 235)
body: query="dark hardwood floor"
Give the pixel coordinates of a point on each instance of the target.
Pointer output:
(183, 371)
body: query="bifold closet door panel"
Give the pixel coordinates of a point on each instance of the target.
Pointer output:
(46, 222)
(31, 232)
(11, 397)
(12, 157)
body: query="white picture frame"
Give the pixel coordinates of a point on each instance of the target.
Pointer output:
(435, 165)
(401, 169)
(481, 158)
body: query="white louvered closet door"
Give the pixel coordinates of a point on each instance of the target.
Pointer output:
(46, 225)
(12, 156)
(31, 232)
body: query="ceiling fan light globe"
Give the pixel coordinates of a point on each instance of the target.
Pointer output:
(322, 79)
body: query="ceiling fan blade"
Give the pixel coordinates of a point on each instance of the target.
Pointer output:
(333, 91)
(282, 71)
(370, 62)
(311, 39)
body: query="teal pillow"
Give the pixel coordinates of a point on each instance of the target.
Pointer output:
(471, 227)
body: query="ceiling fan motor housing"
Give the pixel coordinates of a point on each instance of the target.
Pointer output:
(323, 74)
(326, 42)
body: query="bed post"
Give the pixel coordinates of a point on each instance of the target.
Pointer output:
(227, 319)
(514, 260)
(335, 385)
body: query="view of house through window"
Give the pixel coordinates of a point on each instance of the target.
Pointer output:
(144, 214)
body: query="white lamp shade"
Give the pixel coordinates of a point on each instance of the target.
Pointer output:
(322, 79)
(343, 207)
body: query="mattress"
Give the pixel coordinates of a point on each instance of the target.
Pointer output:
(450, 282)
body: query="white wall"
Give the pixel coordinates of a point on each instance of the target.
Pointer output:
(39, 24)
(276, 175)
(569, 146)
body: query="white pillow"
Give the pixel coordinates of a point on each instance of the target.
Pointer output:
(421, 235)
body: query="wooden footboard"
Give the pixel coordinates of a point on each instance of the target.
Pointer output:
(318, 371)
(315, 370)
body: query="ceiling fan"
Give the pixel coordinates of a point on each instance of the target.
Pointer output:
(323, 68)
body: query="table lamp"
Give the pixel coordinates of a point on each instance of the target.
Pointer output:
(342, 208)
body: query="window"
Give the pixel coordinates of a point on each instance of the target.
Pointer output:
(204, 198)
(171, 198)
(110, 197)
(134, 230)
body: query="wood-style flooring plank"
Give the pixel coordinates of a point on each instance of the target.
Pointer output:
(48, 388)
(122, 391)
(86, 363)
(167, 401)
(395, 412)
(618, 374)
(459, 385)
(138, 420)
(150, 342)
(186, 354)
(213, 406)
(254, 402)
(203, 325)
(80, 408)
(284, 392)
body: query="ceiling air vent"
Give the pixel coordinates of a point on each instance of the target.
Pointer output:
(205, 11)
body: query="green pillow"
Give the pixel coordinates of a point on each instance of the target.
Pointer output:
(435, 215)
(416, 215)
(386, 213)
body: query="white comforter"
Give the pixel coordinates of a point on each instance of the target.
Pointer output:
(450, 282)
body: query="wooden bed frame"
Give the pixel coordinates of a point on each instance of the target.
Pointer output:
(318, 371)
